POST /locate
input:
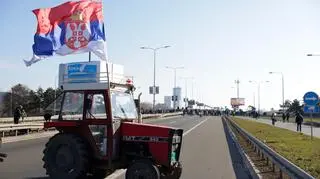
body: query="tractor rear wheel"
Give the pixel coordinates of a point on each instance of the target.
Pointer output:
(66, 156)
(142, 169)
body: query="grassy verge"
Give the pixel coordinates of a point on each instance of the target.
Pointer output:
(296, 147)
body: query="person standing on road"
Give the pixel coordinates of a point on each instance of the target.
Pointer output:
(17, 115)
(299, 120)
(288, 116)
(283, 117)
(273, 118)
(23, 113)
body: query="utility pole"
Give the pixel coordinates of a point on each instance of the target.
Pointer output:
(154, 72)
(175, 84)
(237, 82)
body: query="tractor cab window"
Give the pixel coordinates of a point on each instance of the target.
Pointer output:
(54, 107)
(123, 105)
(96, 107)
(72, 107)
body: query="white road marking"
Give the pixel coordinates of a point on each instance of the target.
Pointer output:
(188, 131)
(120, 172)
(172, 122)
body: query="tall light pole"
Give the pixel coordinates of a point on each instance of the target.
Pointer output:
(186, 86)
(175, 82)
(154, 71)
(237, 82)
(282, 78)
(258, 83)
(234, 88)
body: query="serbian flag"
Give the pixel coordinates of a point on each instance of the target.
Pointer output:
(70, 28)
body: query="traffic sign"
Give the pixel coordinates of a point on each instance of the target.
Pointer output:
(311, 109)
(311, 98)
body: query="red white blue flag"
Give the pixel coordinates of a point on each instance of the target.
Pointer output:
(70, 28)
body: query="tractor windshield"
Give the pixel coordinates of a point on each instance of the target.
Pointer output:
(123, 105)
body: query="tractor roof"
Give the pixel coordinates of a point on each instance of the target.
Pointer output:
(92, 76)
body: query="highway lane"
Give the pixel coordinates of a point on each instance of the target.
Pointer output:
(208, 152)
(205, 153)
(24, 157)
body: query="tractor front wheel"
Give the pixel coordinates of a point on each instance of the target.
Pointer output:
(142, 169)
(66, 157)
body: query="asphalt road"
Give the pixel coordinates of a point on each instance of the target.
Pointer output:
(207, 152)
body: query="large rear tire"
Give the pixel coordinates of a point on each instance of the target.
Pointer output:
(66, 157)
(142, 169)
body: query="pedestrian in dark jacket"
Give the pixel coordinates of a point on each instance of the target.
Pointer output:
(283, 117)
(299, 120)
(288, 116)
(17, 115)
(273, 118)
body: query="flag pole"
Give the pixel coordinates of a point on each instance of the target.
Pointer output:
(89, 56)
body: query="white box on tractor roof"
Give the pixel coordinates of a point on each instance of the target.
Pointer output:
(89, 75)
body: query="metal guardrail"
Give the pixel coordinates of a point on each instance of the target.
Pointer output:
(17, 127)
(283, 164)
(41, 118)
(28, 126)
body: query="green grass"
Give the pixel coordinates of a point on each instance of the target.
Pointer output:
(314, 119)
(296, 147)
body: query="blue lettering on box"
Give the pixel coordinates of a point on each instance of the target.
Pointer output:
(82, 73)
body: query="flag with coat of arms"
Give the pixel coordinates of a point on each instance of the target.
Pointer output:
(70, 28)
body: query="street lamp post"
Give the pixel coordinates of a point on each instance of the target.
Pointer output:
(258, 83)
(282, 78)
(154, 70)
(186, 86)
(237, 82)
(175, 84)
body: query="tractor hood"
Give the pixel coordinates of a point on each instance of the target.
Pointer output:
(141, 129)
(163, 142)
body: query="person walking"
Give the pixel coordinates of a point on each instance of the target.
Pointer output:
(287, 116)
(283, 117)
(23, 113)
(17, 115)
(273, 118)
(299, 120)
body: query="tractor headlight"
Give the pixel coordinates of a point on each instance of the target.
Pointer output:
(176, 141)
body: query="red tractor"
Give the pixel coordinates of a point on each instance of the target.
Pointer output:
(98, 134)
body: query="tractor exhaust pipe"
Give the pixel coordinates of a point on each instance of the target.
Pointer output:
(139, 109)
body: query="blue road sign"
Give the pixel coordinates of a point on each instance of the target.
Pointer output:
(311, 98)
(311, 109)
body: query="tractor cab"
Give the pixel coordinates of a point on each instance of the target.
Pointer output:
(96, 116)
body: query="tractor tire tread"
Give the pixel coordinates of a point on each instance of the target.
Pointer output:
(82, 154)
